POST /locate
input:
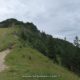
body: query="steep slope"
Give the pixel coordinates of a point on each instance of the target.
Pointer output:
(25, 61)
(36, 53)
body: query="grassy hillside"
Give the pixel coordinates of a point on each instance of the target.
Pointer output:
(26, 61)
(6, 38)
(34, 53)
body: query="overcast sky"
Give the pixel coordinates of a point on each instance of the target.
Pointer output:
(57, 17)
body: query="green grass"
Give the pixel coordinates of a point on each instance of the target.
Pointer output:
(26, 61)
(7, 37)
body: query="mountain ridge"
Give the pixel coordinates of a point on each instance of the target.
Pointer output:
(26, 34)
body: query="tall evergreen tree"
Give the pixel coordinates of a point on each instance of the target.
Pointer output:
(76, 41)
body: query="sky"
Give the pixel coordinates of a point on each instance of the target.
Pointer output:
(60, 18)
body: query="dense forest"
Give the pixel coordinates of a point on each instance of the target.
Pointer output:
(59, 51)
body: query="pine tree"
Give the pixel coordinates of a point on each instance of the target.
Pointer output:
(76, 41)
(65, 39)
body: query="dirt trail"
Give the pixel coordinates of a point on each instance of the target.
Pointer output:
(2, 59)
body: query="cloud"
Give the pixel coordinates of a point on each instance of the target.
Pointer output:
(57, 17)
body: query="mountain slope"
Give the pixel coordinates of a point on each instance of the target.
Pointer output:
(33, 53)
(24, 62)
